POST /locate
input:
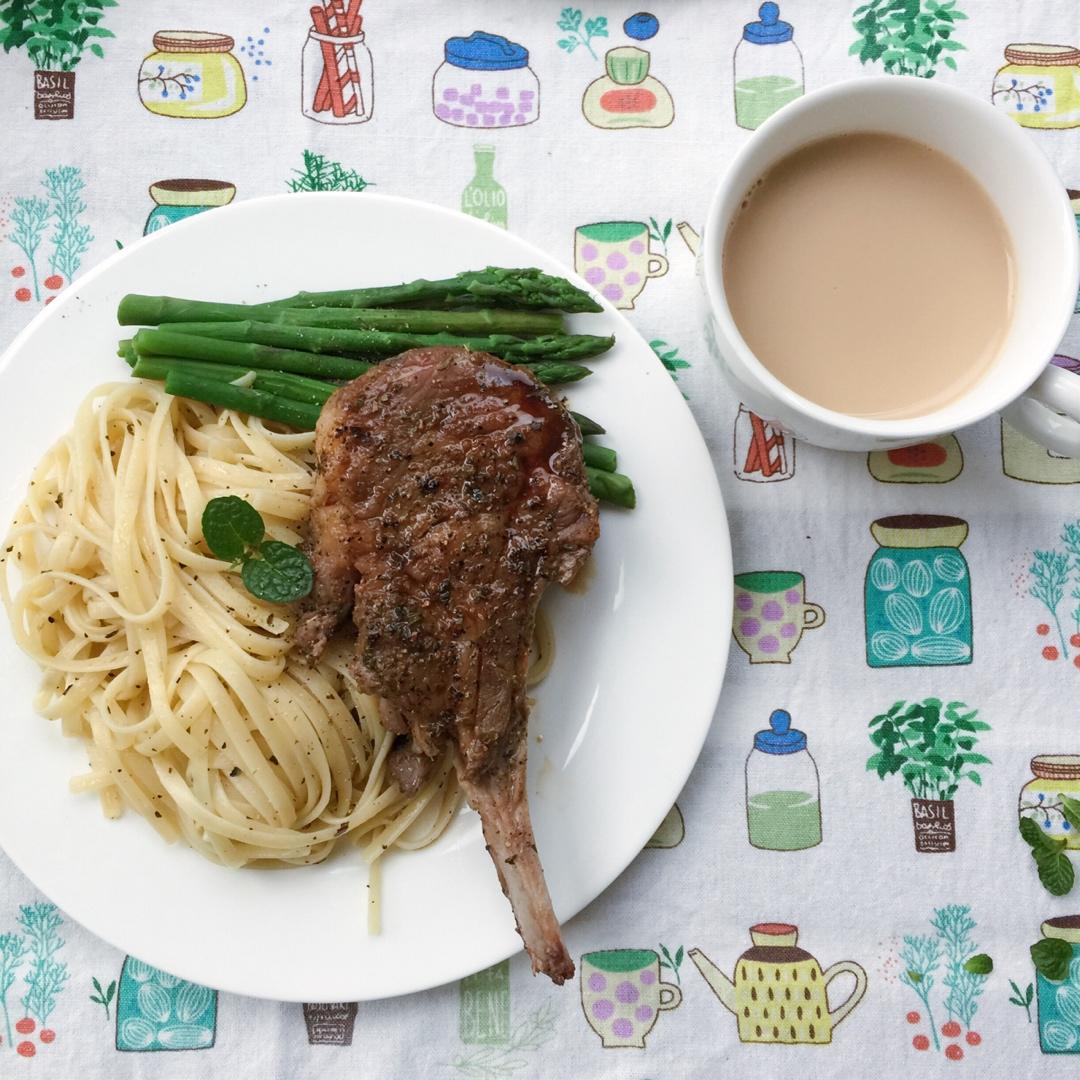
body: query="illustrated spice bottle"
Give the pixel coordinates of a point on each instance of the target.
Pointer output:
(783, 794)
(763, 453)
(485, 197)
(626, 95)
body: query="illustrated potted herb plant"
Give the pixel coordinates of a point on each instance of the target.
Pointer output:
(907, 37)
(931, 744)
(55, 34)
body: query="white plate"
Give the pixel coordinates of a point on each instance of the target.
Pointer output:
(639, 661)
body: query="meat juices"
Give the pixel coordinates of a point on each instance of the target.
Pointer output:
(450, 491)
(871, 274)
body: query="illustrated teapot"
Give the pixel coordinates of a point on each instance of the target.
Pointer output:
(778, 995)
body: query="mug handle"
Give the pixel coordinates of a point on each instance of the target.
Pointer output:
(853, 999)
(1036, 414)
(674, 998)
(812, 609)
(661, 265)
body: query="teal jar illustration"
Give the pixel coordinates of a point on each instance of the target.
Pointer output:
(783, 794)
(918, 593)
(159, 1011)
(1059, 1000)
(175, 200)
(768, 68)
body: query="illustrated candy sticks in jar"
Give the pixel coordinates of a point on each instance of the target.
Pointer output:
(763, 452)
(337, 74)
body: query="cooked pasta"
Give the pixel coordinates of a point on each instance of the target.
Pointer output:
(178, 681)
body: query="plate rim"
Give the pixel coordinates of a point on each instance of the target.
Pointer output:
(710, 682)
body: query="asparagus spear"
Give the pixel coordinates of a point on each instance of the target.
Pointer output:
(282, 383)
(599, 457)
(246, 354)
(492, 287)
(376, 344)
(136, 310)
(552, 374)
(243, 399)
(587, 426)
(611, 487)
(126, 349)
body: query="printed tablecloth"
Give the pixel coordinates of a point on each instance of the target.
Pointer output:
(885, 795)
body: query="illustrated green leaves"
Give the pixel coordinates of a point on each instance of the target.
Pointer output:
(907, 37)
(979, 964)
(230, 526)
(1055, 871)
(1071, 809)
(270, 570)
(1051, 957)
(281, 575)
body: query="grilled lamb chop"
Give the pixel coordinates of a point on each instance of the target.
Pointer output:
(451, 489)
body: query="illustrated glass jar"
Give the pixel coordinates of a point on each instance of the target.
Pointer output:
(175, 200)
(485, 81)
(1059, 1002)
(935, 462)
(763, 453)
(783, 794)
(768, 68)
(627, 95)
(337, 78)
(918, 593)
(192, 74)
(1053, 775)
(1039, 86)
(1024, 459)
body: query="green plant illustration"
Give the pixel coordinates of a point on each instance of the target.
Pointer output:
(672, 963)
(954, 925)
(669, 357)
(46, 976)
(55, 33)
(495, 1062)
(1050, 574)
(963, 978)
(12, 950)
(920, 956)
(931, 746)
(104, 997)
(1022, 998)
(320, 174)
(660, 233)
(29, 218)
(570, 22)
(907, 37)
(70, 238)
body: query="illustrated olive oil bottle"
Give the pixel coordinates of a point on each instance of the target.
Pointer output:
(485, 1006)
(485, 197)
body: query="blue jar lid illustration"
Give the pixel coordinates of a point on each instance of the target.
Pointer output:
(485, 52)
(781, 738)
(771, 30)
(641, 26)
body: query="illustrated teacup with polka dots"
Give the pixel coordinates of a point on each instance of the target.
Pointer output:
(622, 994)
(614, 258)
(771, 613)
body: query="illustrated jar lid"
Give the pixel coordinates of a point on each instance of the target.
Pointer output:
(1056, 766)
(1065, 927)
(186, 41)
(1043, 55)
(919, 531)
(627, 64)
(485, 52)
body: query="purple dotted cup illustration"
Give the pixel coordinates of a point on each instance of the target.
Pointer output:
(614, 258)
(622, 994)
(771, 613)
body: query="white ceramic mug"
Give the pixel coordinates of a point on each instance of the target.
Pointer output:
(1042, 402)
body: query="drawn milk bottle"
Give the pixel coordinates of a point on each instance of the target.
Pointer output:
(783, 795)
(768, 68)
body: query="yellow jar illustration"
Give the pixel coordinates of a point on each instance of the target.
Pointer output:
(1039, 86)
(1053, 775)
(192, 74)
